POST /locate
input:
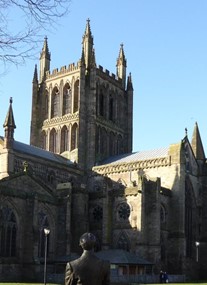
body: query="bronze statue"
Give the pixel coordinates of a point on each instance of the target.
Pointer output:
(88, 269)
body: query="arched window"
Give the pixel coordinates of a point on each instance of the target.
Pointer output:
(44, 140)
(111, 108)
(64, 139)
(54, 103)
(74, 136)
(123, 211)
(101, 104)
(66, 99)
(8, 232)
(162, 214)
(123, 242)
(98, 213)
(103, 143)
(42, 224)
(76, 96)
(53, 140)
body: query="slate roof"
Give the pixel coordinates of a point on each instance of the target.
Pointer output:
(120, 256)
(39, 152)
(137, 156)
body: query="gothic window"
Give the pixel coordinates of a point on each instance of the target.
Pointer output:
(74, 136)
(53, 142)
(54, 103)
(98, 213)
(101, 104)
(119, 145)
(162, 214)
(8, 232)
(123, 211)
(44, 140)
(123, 242)
(111, 108)
(42, 224)
(51, 177)
(64, 139)
(66, 99)
(103, 143)
(76, 96)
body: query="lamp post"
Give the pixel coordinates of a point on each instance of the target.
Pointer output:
(197, 243)
(46, 231)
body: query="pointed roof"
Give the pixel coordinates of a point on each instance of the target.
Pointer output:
(196, 143)
(9, 120)
(88, 30)
(121, 58)
(45, 50)
(129, 82)
(35, 76)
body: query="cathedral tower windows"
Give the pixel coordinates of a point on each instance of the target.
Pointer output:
(66, 99)
(76, 97)
(64, 139)
(55, 103)
(74, 136)
(53, 141)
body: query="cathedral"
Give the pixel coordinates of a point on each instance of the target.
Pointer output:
(147, 209)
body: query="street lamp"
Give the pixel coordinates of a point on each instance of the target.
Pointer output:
(197, 243)
(46, 231)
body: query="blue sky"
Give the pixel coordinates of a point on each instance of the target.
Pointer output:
(165, 43)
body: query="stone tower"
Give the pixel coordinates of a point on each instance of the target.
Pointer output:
(82, 111)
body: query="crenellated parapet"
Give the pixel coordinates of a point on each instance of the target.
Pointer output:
(133, 166)
(111, 77)
(63, 70)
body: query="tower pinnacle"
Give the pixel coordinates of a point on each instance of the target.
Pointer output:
(44, 60)
(121, 65)
(9, 126)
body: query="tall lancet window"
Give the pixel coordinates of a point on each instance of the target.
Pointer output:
(111, 108)
(42, 224)
(64, 139)
(74, 136)
(53, 140)
(8, 232)
(76, 96)
(66, 99)
(55, 102)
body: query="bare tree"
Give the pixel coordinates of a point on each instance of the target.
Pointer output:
(22, 23)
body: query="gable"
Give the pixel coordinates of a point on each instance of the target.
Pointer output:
(191, 163)
(25, 186)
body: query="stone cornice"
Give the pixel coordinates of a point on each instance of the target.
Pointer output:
(60, 120)
(132, 166)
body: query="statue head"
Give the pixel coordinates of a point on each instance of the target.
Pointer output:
(87, 241)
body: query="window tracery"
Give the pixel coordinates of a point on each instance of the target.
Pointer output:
(123, 211)
(8, 232)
